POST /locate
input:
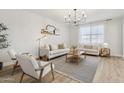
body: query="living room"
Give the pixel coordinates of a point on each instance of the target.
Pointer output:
(61, 46)
(25, 27)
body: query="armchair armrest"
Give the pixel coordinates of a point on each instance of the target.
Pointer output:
(42, 67)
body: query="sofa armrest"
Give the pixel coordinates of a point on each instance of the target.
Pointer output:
(44, 52)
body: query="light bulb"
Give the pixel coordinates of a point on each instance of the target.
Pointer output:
(83, 12)
(65, 17)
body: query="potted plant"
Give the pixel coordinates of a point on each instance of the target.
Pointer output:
(3, 39)
(73, 47)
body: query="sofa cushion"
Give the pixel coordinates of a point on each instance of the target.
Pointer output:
(88, 46)
(81, 45)
(58, 51)
(61, 46)
(95, 47)
(65, 46)
(91, 50)
(53, 47)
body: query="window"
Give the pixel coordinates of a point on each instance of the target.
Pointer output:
(92, 33)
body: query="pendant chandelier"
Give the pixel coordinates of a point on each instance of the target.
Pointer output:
(75, 18)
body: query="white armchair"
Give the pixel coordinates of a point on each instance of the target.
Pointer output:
(12, 54)
(33, 68)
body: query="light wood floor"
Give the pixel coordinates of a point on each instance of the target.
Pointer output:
(110, 70)
(6, 77)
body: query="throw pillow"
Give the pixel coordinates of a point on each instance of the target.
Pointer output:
(47, 47)
(95, 46)
(65, 46)
(81, 45)
(53, 47)
(61, 46)
(88, 46)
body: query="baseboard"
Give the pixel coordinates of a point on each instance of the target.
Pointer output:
(117, 56)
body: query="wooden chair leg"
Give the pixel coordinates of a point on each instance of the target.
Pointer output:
(48, 59)
(22, 77)
(66, 58)
(41, 73)
(14, 67)
(52, 71)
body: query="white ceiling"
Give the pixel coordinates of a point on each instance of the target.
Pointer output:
(92, 14)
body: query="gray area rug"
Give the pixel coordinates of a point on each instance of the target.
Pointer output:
(84, 71)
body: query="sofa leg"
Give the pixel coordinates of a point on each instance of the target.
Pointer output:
(45, 58)
(48, 59)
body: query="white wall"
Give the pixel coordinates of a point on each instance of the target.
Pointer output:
(113, 36)
(24, 30)
(74, 35)
(123, 37)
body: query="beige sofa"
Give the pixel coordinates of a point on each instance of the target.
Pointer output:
(92, 49)
(52, 51)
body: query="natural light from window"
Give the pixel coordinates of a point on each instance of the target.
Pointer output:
(92, 33)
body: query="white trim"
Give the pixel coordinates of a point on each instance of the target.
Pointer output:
(116, 55)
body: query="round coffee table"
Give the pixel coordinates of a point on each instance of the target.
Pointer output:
(75, 56)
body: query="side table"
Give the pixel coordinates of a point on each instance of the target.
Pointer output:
(104, 52)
